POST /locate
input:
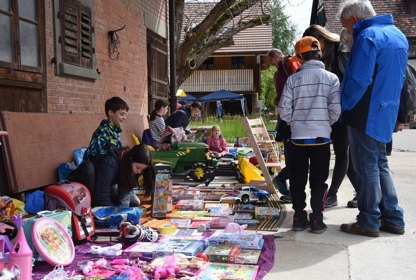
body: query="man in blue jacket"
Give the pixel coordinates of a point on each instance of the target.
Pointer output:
(370, 98)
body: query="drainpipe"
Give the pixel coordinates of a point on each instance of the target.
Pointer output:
(172, 56)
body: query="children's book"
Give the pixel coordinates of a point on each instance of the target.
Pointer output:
(221, 271)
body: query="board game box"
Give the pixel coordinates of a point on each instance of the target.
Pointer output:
(222, 253)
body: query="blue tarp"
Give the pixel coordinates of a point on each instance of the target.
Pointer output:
(188, 98)
(225, 95)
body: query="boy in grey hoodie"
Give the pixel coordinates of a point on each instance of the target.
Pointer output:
(310, 104)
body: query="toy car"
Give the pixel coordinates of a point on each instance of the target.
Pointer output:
(249, 194)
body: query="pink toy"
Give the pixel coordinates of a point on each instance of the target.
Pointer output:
(235, 228)
(53, 242)
(168, 270)
(21, 256)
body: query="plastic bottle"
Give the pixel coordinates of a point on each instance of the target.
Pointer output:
(21, 257)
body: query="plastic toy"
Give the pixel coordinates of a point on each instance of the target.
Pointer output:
(168, 269)
(192, 159)
(114, 250)
(249, 194)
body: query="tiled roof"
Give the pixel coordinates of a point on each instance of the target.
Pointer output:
(253, 40)
(398, 8)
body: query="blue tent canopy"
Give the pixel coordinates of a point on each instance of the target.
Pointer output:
(188, 98)
(225, 95)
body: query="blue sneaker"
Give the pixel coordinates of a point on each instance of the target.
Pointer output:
(281, 186)
(286, 198)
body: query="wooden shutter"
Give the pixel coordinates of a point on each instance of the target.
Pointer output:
(76, 34)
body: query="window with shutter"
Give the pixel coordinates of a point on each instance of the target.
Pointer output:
(75, 38)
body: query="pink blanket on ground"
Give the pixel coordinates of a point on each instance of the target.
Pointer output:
(41, 269)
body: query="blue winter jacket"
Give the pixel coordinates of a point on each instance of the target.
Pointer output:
(374, 77)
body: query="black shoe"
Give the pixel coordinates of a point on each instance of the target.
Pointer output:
(317, 225)
(280, 186)
(300, 221)
(331, 200)
(353, 203)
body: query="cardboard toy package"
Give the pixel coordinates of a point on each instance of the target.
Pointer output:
(162, 194)
(186, 247)
(222, 253)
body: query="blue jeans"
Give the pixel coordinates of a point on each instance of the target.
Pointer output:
(376, 194)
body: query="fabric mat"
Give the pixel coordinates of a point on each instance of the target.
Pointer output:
(41, 269)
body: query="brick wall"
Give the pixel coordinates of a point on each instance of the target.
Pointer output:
(125, 77)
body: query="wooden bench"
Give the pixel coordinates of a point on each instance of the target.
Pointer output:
(37, 143)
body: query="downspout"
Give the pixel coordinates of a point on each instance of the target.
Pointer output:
(172, 56)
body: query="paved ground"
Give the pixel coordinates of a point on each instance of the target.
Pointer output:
(341, 256)
(337, 255)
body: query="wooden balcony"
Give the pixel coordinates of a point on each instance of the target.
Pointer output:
(212, 80)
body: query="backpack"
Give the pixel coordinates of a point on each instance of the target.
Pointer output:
(146, 137)
(411, 84)
(76, 198)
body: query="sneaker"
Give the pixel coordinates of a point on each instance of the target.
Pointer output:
(353, 203)
(331, 201)
(317, 226)
(280, 186)
(300, 221)
(286, 198)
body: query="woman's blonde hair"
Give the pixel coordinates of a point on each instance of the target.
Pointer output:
(321, 33)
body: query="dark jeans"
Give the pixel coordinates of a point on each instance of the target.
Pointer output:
(284, 174)
(316, 159)
(343, 163)
(284, 133)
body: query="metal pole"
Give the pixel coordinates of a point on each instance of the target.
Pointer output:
(172, 56)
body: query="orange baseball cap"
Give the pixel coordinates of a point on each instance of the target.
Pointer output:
(306, 45)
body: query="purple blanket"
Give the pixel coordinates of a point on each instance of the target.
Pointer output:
(41, 269)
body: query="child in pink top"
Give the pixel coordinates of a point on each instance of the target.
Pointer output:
(216, 143)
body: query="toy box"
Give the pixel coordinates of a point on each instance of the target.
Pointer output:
(219, 211)
(243, 216)
(249, 241)
(220, 222)
(222, 253)
(63, 217)
(184, 194)
(181, 223)
(186, 247)
(266, 213)
(220, 237)
(162, 194)
(142, 249)
(190, 205)
(247, 221)
(248, 256)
